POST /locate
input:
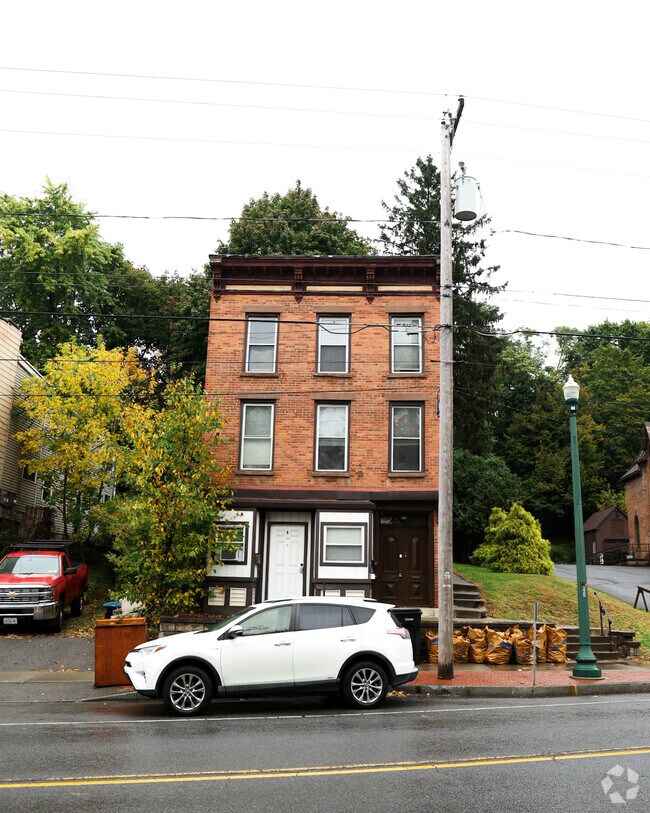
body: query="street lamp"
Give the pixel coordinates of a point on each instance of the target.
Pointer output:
(586, 664)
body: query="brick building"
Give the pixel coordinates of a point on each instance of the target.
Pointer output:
(637, 497)
(606, 537)
(327, 371)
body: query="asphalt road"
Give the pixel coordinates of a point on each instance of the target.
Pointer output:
(414, 755)
(618, 581)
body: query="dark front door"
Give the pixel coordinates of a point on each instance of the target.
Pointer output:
(402, 572)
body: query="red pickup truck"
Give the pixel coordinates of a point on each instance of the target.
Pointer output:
(37, 581)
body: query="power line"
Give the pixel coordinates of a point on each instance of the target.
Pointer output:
(314, 322)
(571, 239)
(344, 88)
(181, 140)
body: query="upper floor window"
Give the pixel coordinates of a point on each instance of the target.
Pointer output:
(257, 436)
(406, 437)
(261, 344)
(332, 437)
(29, 475)
(406, 344)
(333, 344)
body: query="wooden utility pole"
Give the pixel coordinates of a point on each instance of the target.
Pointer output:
(446, 455)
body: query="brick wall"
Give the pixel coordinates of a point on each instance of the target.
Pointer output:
(637, 494)
(296, 387)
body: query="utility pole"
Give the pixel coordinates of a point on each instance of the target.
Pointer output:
(449, 126)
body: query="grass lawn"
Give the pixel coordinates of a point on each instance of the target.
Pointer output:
(512, 595)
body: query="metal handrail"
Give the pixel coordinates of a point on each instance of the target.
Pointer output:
(640, 593)
(603, 613)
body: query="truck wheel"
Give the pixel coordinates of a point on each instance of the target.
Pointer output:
(365, 685)
(56, 625)
(77, 606)
(187, 691)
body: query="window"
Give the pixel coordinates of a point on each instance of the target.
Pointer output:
(406, 438)
(266, 622)
(406, 344)
(29, 475)
(333, 344)
(257, 436)
(232, 537)
(323, 616)
(343, 544)
(261, 344)
(332, 437)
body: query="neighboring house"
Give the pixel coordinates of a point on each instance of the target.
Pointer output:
(637, 496)
(606, 538)
(23, 496)
(23, 503)
(327, 372)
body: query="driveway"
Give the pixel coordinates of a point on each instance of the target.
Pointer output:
(617, 580)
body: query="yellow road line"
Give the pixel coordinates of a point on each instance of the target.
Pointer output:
(293, 773)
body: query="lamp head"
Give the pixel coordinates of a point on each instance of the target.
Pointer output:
(571, 392)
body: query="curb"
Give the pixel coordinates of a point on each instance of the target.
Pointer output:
(575, 690)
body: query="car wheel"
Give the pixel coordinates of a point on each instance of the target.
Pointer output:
(56, 625)
(365, 685)
(187, 690)
(77, 606)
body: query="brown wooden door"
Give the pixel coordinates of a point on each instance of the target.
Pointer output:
(402, 566)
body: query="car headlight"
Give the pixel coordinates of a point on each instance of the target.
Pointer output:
(149, 650)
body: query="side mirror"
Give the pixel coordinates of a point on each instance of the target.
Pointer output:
(70, 571)
(235, 632)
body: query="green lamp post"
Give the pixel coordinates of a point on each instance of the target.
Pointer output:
(586, 664)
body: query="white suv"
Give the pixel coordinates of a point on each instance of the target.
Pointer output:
(299, 646)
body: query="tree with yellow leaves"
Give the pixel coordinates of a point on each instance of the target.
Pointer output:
(77, 414)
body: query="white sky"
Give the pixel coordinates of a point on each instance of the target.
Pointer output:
(588, 179)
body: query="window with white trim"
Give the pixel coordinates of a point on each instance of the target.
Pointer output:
(332, 437)
(343, 544)
(406, 437)
(261, 344)
(406, 344)
(333, 344)
(232, 538)
(257, 436)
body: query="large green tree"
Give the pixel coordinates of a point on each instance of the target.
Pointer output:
(481, 483)
(294, 223)
(166, 526)
(413, 227)
(61, 281)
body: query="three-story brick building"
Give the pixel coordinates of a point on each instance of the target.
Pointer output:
(327, 372)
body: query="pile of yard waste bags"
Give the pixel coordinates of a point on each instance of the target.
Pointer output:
(487, 645)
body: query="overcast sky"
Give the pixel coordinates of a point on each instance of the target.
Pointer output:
(221, 101)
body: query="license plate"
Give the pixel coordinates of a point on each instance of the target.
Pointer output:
(9, 620)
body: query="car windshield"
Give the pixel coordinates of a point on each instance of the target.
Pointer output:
(30, 565)
(223, 622)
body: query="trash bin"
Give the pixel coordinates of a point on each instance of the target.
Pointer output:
(114, 639)
(411, 618)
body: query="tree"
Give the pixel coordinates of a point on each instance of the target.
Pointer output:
(481, 483)
(76, 415)
(414, 228)
(514, 544)
(166, 526)
(53, 260)
(293, 223)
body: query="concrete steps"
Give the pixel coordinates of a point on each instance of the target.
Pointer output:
(468, 603)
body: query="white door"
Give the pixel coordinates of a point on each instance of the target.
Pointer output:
(286, 561)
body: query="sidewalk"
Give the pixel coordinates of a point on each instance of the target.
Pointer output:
(551, 680)
(470, 680)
